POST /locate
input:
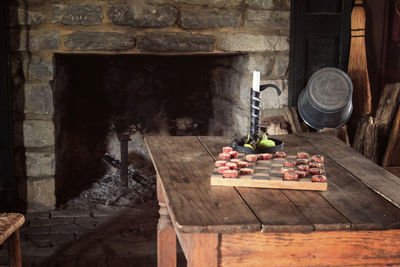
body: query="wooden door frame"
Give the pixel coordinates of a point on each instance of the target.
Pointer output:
(7, 179)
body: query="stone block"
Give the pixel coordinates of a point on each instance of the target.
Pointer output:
(50, 222)
(35, 98)
(269, 4)
(85, 15)
(268, 20)
(70, 213)
(34, 133)
(261, 63)
(209, 18)
(20, 16)
(38, 40)
(81, 40)
(176, 42)
(40, 164)
(252, 42)
(65, 229)
(270, 98)
(40, 69)
(143, 16)
(209, 3)
(40, 194)
(281, 65)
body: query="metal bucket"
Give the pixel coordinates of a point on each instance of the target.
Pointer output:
(326, 100)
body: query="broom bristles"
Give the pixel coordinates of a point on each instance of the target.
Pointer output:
(358, 2)
(357, 68)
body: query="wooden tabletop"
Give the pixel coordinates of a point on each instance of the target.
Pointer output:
(360, 196)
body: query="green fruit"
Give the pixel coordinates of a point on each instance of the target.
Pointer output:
(248, 145)
(266, 143)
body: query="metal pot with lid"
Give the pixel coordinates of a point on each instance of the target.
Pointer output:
(327, 99)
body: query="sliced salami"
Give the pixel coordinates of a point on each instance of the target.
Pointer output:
(290, 176)
(251, 157)
(233, 154)
(286, 170)
(302, 161)
(231, 165)
(303, 155)
(318, 158)
(227, 149)
(319, 178)
(222, 169)
(246, 171)
(220, 163)
(280, 154)
(316, 164)
(230, 174)
(300, 173)
(303, 167)
(242, 164)
(224, 156)
(317, 171)
(266, 156)
(235, 160)
(289, 163)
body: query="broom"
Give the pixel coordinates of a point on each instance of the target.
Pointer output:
(357, 69)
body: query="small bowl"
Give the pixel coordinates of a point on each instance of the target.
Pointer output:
(238, 145)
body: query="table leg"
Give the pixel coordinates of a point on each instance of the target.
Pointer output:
(14, 250)
(166, 237)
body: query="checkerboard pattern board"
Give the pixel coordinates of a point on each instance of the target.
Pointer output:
(267, 174)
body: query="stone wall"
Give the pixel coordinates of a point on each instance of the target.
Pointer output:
(256, 29)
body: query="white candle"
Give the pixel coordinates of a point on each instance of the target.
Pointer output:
(256, 81)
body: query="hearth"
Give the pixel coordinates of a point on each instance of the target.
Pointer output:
(207, 49)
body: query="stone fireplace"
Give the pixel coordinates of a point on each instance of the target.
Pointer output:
(186, 64)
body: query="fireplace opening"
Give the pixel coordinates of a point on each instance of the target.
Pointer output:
(98, 97)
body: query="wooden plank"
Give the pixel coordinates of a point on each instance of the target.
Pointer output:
(392, 153)
(14, 249)
(349, 192)
(184, 166)
(274, 184)
(202, 249)
(275, 211)
(388, 103)
(338, 248)
(394, 170)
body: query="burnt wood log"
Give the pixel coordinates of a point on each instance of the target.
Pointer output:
(392, 153)
(359, 137)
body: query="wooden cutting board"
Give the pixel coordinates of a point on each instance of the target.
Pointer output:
(267, 174)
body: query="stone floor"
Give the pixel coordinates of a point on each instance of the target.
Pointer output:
(106, 237)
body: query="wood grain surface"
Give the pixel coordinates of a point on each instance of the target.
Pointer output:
(184, 166)
(337, 248)
(372, 175)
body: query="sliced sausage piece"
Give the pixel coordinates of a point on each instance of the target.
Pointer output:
(280, 154)
(300, 173)
(290, 176)
(233, 154)
(230, 174)
(303, 155)
(266, 156)
(220, 163)
(224, 156)
(251, 157)
(222, 169)
(231, 165)
(242, 164)
(227, 149)
(316, 164)
(286, 170)
(289, 163)
(303, 167)
(318, 158)
(302, 161)
(319, 178)
(246, 171)
(317, 171)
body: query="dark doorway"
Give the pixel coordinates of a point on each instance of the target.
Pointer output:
(319, 37)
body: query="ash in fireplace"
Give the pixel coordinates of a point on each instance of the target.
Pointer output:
(109, 191)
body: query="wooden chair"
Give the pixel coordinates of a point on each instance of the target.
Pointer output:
(9, 225)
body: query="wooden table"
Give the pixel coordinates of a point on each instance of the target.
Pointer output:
(355, 222)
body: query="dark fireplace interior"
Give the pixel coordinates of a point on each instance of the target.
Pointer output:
(97, 95)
